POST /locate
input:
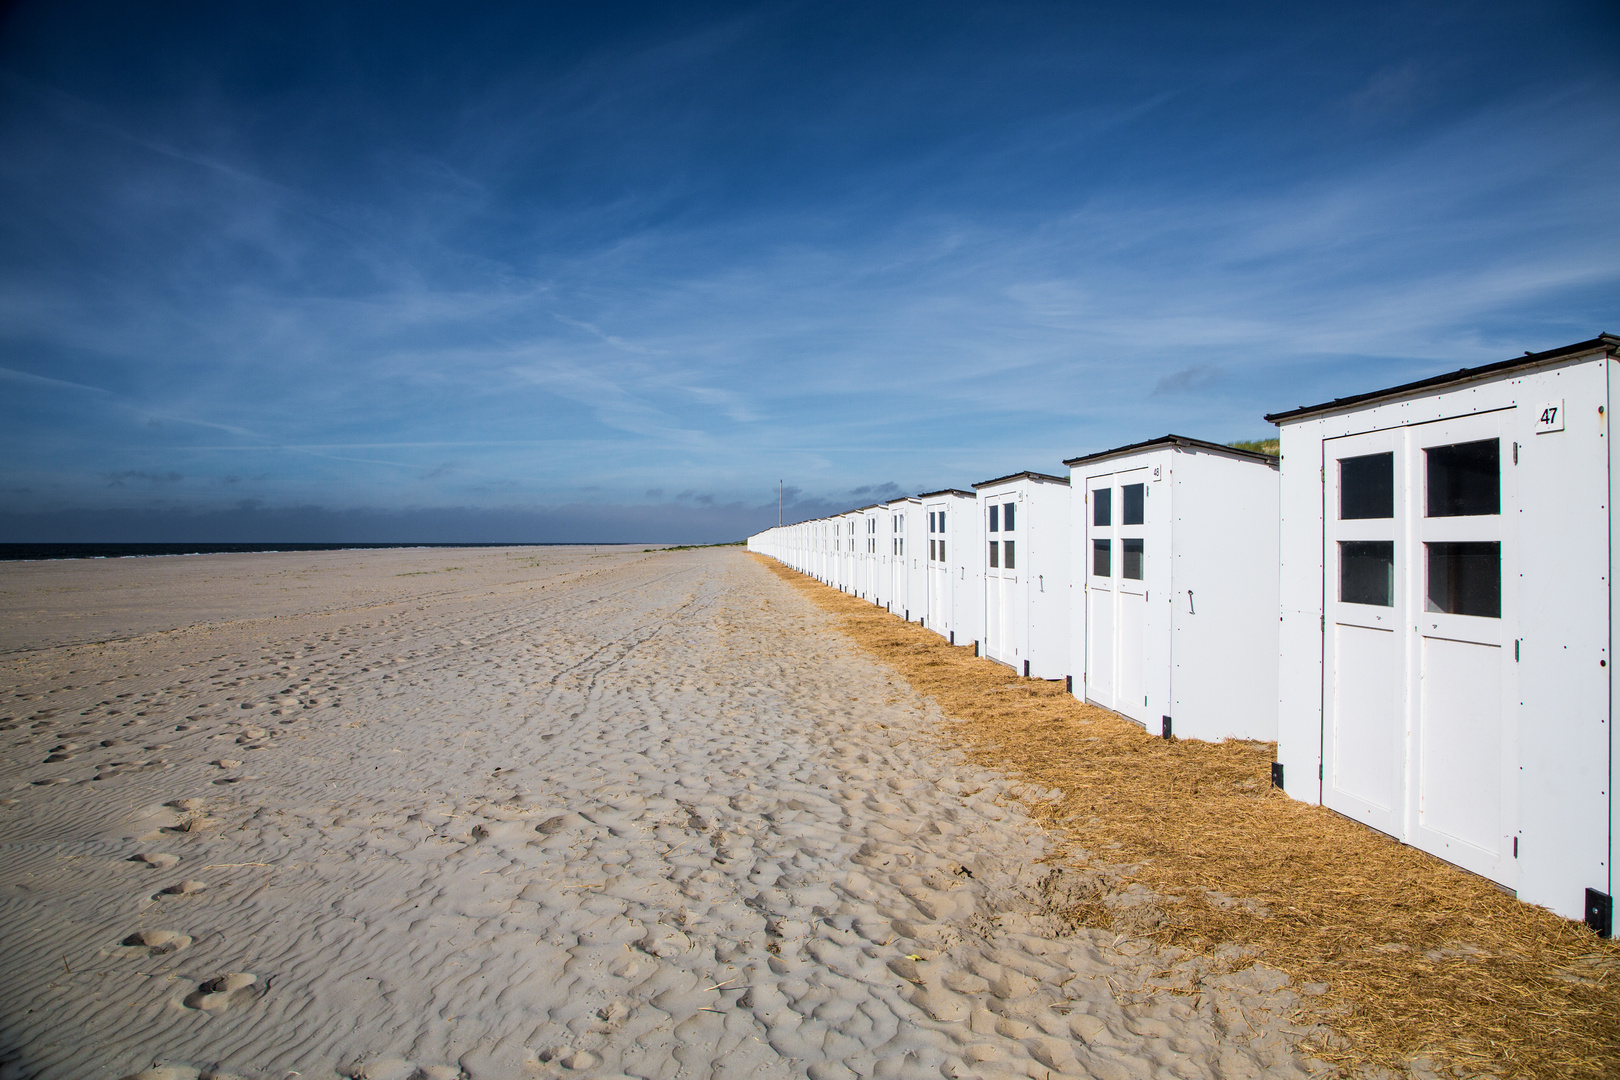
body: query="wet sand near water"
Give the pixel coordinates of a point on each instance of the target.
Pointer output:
(532, 813)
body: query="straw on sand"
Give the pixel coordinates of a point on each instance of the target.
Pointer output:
(1422, 961)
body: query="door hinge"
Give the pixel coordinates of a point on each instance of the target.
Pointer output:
(1515, 453)
(1319, 770)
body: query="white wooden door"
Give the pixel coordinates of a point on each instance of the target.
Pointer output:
(1464, 678)
(1420, 665)
(1116, 591)
(1363, 741)
(1101, 558)
(939, 575)
(1000, 583)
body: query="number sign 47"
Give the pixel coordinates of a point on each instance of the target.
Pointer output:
(1549, 417)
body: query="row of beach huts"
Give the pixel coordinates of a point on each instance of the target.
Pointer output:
(1412, 599)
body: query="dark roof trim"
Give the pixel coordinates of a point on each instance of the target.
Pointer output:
(1175, 440)
(1605, 343)
(1022, 476)
(946, 491)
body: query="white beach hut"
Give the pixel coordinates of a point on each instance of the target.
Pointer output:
(1025, 559)
(955, 580)
(1447, 617)
(1173, 613)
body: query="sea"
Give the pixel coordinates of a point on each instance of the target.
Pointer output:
(15, 552)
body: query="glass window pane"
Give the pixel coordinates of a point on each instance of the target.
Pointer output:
(1466, 578)
(931, 542)
(995, 554)
(1007, 518)
(942, 521)
(1130, 558)
(942, 551)
(1101, 558)
(1102, 507)
(1367, 487)
(931, 522)
(995, 520)
(1132, 497)
(1367, 572)
(1465, 479)
(1008, 554)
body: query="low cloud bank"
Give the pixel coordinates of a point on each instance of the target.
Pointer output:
(663, 523)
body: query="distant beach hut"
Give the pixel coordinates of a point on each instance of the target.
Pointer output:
(1173, 613)
(955, 583)
(1024, 520)
(1447, 618)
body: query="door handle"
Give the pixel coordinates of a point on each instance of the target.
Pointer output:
(1190, 609)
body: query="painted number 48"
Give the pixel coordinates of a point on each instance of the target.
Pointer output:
(1549, 417)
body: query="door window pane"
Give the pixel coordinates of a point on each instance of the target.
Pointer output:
(1008, 554)
(1466, 578)
(942, 521)
(942, 551)
(1367, 487)
(931, 522)
(995, 520)
(1102, 558)
(995, 554)
(1130, 557)
(931, 543)
(1367, 572)
(1132, 497)
(1465, 479)
(1007, 518)
(1102, 507)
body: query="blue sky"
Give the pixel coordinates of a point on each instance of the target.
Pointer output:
(450, 272)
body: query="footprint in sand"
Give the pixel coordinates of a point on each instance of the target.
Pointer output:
(52, 780)
(400, 1069)
(225, 763)
(180, 1072)
(228, 990)
(185, 888)
(156, 942)
(157, 860)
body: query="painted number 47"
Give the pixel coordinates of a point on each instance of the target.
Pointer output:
(1549, 417)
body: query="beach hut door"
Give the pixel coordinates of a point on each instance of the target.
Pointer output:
(1116, 592)
(1363, 738)
(1419, 736)
(1464, 685)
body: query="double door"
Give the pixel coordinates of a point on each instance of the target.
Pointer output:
(939, 573)
(1116, 591)
(1006, 624)
(1420, 685)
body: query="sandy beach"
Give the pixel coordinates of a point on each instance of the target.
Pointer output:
(531, 813)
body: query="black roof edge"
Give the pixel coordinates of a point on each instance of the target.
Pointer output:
(945, 491)
(1020, 476)
(1175, 440)
(1608, 343)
